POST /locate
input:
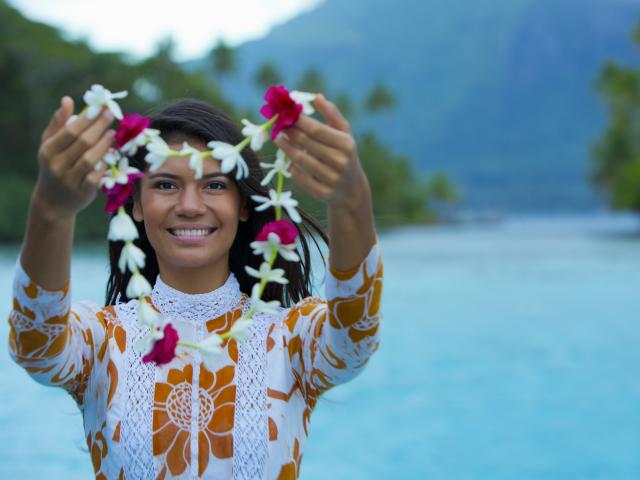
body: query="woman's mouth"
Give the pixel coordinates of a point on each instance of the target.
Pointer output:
(191, 234)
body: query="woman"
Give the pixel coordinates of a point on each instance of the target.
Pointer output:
(247, 417)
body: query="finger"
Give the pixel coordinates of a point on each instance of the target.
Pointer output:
(89, 137)
(88, 160)
(309, 184)
(93, 178)
(311, 165)
(324, 153)
(59, 118)
(323, 133)
(332, 114)
(68, 134)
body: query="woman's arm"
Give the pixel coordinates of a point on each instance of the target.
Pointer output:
(325, 163)
(331, 342)
(56, 344)
(67, 183)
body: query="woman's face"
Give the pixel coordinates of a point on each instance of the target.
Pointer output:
(190, 223)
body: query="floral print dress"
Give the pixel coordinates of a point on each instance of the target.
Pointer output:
(247, 418)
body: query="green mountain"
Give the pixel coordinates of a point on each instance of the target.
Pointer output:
(498, 94)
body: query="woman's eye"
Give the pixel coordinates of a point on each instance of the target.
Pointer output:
(216, 185)
(163, 185)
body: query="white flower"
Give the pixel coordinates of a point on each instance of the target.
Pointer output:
(151, 133)
(122, 227)
(120, 174)
(305, 99)
(145, 136)
(230, 158)
(158, 152)
(261, 306)
(240, 329)
(280, 165)
(147, 315)
(113, 176)
(283, 200)
(131, 258)
(112, 157)
(288, 251)
(266, 273)
(138, 286)
(195, 159)
(210, 349)
(146, 343)
(98, 97)
(257, 133)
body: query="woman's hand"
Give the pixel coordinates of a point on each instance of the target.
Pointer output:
(67, 157)
(325, 157)
(324, 161)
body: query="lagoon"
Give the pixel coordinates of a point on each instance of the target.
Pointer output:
(510, 350)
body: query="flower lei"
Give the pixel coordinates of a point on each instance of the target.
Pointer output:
(282, 109)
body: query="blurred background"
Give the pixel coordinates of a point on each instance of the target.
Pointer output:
(501, 139)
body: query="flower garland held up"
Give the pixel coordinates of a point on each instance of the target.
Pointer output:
(282, 110)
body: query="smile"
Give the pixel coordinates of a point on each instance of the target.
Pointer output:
(191, 234)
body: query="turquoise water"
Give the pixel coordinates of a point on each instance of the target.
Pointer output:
(509, 351)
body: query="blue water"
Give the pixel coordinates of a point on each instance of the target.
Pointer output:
(509, 351)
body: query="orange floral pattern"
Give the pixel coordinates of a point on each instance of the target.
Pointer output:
(309, 347)
(172, 417)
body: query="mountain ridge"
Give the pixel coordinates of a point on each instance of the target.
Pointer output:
(500, 95)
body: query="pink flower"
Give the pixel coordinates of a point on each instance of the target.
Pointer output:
(280, 103)
(130, 127)
(286, 231)
(164, 350)
(118, 195)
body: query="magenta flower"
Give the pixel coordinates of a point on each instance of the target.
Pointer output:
(164, 350)
(280, 103)
(286, 231)
(117, 195)
(130, 127)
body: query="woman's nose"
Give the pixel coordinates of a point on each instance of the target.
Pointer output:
(190, 202)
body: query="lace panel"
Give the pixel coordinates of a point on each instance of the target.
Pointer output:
(250, 429)
(138, 415)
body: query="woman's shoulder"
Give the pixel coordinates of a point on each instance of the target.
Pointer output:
(121, 312)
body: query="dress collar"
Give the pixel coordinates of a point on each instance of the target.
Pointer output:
(198, 307)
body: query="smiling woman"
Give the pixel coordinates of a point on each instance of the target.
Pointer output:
(244, 414)
(191, 224)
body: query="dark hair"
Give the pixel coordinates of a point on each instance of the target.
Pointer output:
(193, 119)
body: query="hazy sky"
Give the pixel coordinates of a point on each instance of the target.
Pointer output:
(135, 26)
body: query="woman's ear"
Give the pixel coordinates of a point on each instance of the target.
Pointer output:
(137, 209)
(244, 211)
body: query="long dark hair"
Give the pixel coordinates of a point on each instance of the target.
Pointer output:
(193, 119)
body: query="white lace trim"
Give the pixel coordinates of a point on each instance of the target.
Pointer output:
(195, 404)
(196, 308)
(137, 422)
(250, 426)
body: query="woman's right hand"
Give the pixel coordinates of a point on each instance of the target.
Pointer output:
(67, 157)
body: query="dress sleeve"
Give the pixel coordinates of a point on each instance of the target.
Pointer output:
(331, 341)
(54, 342)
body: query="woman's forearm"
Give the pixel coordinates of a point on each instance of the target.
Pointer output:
(351, 229)
(46, 250)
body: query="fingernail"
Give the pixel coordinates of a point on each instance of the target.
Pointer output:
(108, 115)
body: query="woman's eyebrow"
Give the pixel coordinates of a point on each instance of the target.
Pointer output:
(177, 177)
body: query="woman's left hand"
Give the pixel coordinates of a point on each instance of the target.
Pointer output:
(324, 157)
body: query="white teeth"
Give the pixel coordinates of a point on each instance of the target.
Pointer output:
(190, 233)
